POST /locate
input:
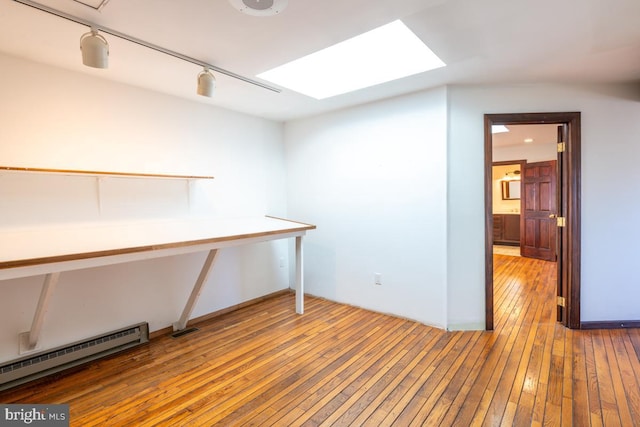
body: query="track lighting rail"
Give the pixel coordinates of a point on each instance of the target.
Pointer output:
(148, 45)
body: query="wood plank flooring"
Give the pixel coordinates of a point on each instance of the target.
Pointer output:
(337, 365)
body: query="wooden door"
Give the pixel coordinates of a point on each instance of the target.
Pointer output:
(539, 225)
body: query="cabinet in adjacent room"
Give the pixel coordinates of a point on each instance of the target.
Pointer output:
(506, 229)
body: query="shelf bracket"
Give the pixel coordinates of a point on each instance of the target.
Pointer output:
(190, 191)
(99, 194)
(197, 290)
(29, 340)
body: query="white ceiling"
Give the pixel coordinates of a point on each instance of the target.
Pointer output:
(540, 134)
(488, 41)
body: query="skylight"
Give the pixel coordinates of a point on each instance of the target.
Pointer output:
(499, 129)
(381, 55)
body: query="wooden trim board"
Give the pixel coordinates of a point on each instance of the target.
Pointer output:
(611, 324)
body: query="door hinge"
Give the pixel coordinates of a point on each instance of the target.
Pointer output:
(561, 147)
(561, 301)
(561, 221)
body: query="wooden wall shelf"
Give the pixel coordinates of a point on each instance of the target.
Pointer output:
(102, 173)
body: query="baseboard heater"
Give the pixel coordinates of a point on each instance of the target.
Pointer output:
(47, 362)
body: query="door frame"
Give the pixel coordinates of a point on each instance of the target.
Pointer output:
(569, 184)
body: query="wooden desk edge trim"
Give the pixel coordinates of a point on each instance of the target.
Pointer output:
(308, 226)
(147, 248)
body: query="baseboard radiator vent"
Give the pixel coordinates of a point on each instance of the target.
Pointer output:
(47, 362)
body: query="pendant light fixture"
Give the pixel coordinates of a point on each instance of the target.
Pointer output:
(206, 83)
(95, 49)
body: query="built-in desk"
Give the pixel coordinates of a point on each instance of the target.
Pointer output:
(49, 251)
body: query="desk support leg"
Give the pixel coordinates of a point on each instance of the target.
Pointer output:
(29, 340)
(197, 290)
(299, 276)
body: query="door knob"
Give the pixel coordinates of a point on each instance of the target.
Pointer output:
(553, 216)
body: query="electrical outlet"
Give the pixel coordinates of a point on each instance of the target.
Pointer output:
(281, 262)
(377, 279)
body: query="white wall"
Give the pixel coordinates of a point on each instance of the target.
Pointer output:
(610, 151)
(372, 178)
(74, 121)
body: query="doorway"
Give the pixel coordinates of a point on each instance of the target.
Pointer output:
(567, 233)
(507, 200)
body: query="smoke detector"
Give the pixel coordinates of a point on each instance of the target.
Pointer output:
(260, 7)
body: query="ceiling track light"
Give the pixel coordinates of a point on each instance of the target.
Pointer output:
(95, 49)
(206, 83)
(131, 39)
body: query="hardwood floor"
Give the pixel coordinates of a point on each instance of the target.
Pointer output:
(338, 365)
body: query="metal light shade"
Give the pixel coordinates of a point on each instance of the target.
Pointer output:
(95, 50)
(206, 83)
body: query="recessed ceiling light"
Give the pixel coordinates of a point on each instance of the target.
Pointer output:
(528, 140)
(499, 129)
(381, 55)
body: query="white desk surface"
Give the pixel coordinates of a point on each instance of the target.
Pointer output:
(28, 251)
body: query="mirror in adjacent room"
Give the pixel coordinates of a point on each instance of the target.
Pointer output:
(511, 190)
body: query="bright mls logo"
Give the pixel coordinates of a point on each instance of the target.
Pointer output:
(34, 415)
